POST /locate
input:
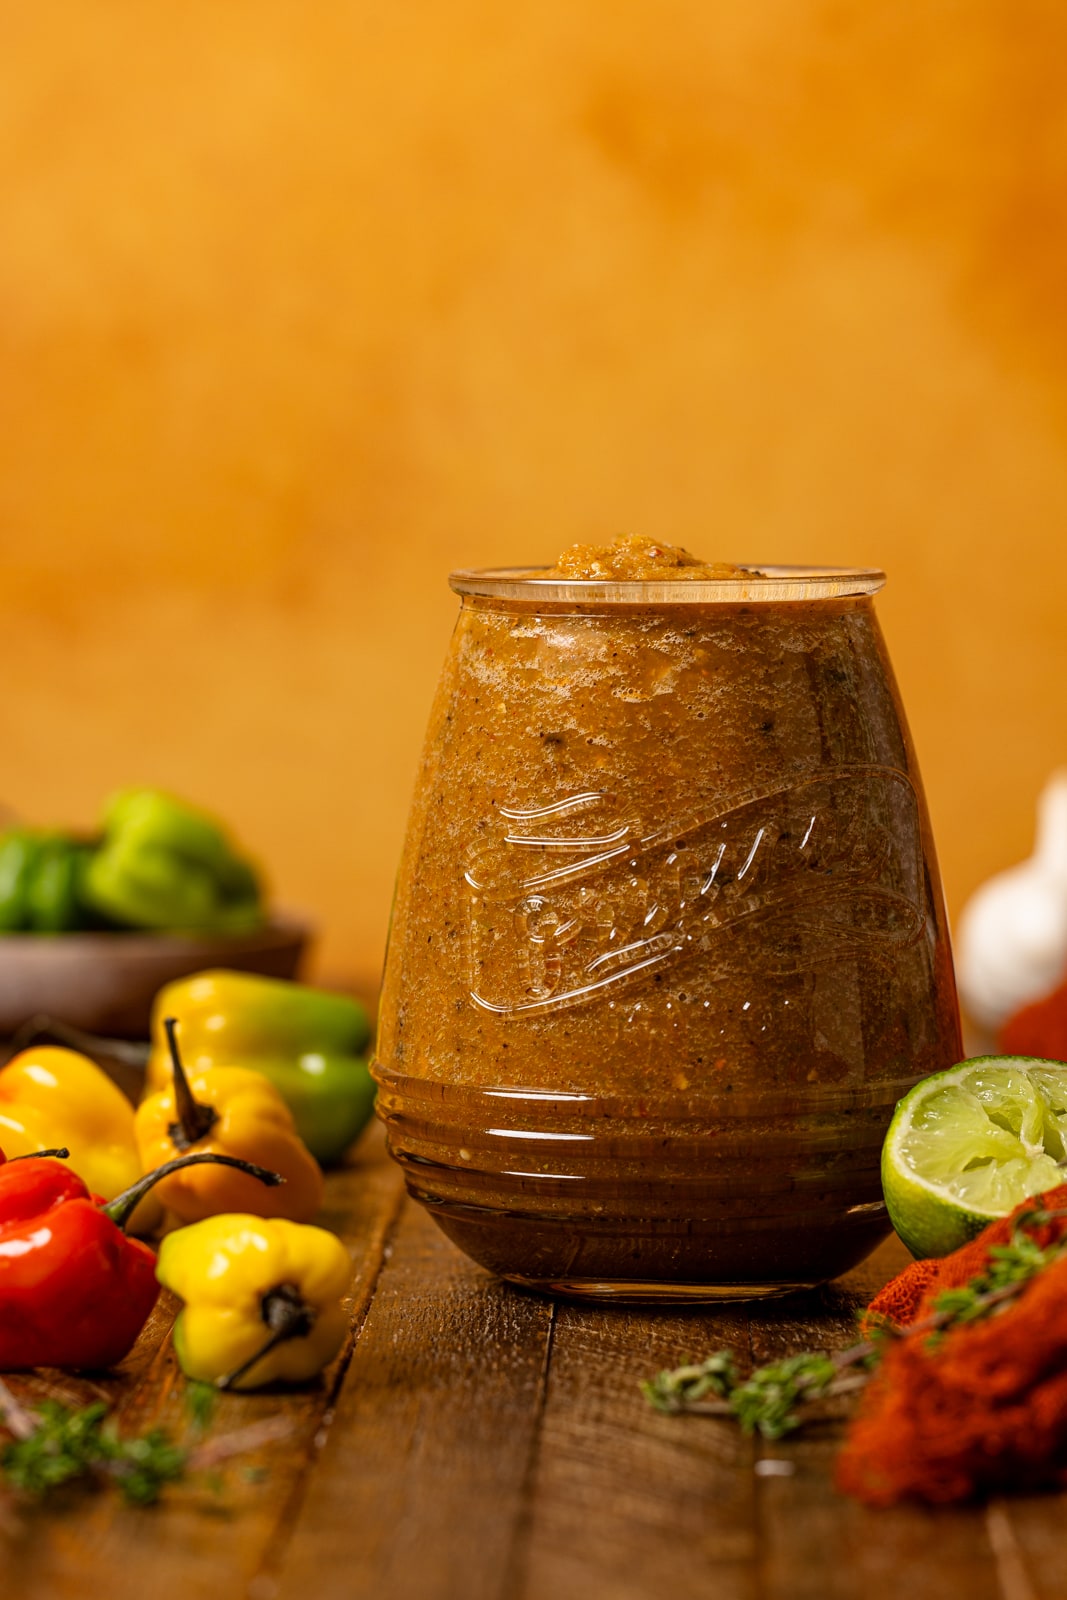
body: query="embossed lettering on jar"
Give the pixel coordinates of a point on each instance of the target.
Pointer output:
(669, 941)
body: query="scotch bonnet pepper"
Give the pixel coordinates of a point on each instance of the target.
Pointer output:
(162, 864)
(74, 1290)
(42, 875)
(308, 1043)
(262, 1299)
(51, 1096)
(234, 1112)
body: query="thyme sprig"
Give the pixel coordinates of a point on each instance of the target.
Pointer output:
(54, 1444)
(771, 1401)
(766, 1401)
(1011, 1267)
(57, 1444)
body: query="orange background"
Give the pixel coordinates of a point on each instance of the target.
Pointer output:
(301, 305)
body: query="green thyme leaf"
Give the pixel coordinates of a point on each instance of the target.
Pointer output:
(200, 1402)
(53, 1445)
(767, 1402)
(688, 1386)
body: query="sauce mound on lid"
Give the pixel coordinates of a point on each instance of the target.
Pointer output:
(636, 559)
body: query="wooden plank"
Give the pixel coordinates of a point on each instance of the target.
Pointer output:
(198, 1543)
(477, 1443)
(420, 1482)
(1026, 1535)
(627, 1504)
(815, 1543)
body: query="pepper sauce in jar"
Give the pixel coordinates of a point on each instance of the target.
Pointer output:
(669, 941)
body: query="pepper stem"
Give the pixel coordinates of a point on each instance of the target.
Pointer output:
(132, 1053)
(62, 1154)
(194, 1120)
(123, 1206)
(288, 1316)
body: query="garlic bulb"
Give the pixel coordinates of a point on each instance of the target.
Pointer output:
(1012, 934)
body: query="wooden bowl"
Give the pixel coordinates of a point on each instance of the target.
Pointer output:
(106, 982)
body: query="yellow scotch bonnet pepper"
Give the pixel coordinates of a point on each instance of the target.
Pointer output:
(230, 1111)
(262, 1299)
(51, 1097)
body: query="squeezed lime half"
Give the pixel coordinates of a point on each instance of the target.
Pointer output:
(966, 1146)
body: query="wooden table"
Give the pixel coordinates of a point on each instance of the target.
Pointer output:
(474, 1442)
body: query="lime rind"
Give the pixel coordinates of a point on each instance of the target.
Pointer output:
(966, 1146)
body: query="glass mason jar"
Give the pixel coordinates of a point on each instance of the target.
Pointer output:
(668, 942)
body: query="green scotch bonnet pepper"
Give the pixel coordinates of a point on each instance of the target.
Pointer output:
(309, 1044)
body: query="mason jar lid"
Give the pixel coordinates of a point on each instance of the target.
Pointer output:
(751, 583)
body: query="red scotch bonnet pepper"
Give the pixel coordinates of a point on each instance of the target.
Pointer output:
(74, 1290)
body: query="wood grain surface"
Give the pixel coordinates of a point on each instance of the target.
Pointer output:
(475, 1442)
